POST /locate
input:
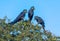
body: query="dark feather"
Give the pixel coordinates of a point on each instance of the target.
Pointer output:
(31, 13)
(19, 17)
(40, 21)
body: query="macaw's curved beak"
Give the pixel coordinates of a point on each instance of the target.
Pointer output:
(25, 10)
(33, 8)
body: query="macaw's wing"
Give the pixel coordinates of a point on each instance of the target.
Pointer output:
(30, 14)
(19, 17)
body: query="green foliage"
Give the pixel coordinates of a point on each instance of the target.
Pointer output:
(27, 32)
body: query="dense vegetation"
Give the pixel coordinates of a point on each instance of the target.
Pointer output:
(23, 31)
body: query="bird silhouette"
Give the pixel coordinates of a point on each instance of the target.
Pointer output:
(19, 17)
(31, 13)
(40, 21)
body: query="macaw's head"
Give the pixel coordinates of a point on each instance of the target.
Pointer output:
(25, 10)
(36, 17)
(33, 8)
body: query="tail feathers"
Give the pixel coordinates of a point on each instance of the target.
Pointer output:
(43, 27)
(30, 19)
(12, 23)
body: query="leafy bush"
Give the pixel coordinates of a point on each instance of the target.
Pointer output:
(23, 31)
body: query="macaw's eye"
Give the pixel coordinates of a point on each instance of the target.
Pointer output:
(32, 8)
(25, 10)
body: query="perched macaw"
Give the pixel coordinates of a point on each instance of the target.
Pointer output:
(40, 21)
(19, 17)
(31, 13)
